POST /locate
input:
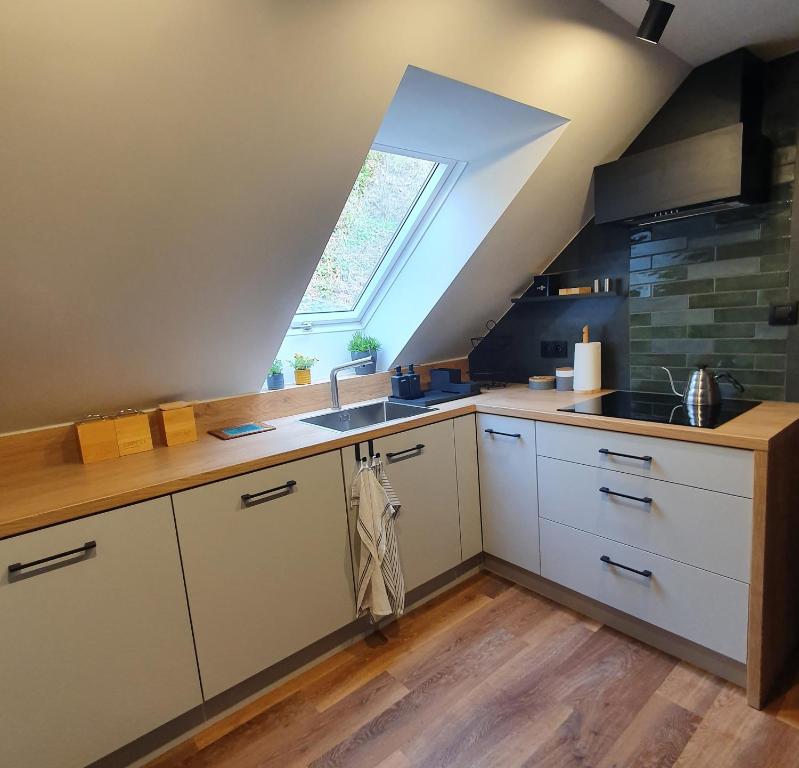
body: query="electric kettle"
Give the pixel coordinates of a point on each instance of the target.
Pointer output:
(703, 386)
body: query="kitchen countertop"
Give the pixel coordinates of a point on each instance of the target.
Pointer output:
(36, 497)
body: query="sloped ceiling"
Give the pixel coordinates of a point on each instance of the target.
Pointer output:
(701, 30)
(172, 171)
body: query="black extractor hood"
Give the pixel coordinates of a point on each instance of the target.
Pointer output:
(714, 171)
(677, 167)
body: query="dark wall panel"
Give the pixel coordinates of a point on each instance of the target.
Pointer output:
(699, 288)
(514, 347)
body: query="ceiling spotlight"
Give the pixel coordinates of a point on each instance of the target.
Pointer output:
(655, 20)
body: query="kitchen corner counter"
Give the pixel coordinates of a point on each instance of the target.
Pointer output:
(753, 430)
(34, 497)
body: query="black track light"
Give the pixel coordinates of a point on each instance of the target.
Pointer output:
(655, 20)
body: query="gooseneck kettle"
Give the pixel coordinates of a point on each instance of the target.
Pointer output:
(703, 386)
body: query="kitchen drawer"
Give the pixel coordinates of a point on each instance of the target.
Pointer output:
(265, 580)
(708, 609)
(728, 470)
(703, 528)
(96, 647)
(508, 490)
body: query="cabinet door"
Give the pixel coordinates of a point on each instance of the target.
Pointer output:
(96, 646)
(428, 526)
(267, 574)
(468, 486)
(509, 489)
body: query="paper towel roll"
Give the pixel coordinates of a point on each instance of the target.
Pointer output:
(588, 366)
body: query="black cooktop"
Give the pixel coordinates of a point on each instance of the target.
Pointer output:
(665, 409)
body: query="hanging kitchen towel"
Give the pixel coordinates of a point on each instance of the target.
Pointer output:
(381, 587)
(379, 469)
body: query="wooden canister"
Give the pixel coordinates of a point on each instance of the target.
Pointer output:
(177, 422)
(133, 432)
(97, 438)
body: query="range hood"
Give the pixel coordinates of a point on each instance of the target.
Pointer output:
(717, 170)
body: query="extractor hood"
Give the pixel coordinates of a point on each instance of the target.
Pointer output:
(716, 170)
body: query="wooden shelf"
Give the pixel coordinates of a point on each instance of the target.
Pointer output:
(543, 299)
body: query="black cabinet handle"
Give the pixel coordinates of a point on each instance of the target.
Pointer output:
(84, 550)
(418, 448)
(606, 452)
(606, 559)
(642, 499)
(504, 434)
(251, 499)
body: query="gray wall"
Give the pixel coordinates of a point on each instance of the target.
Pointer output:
(171, 172)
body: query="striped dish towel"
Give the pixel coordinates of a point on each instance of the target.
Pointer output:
(381, 586)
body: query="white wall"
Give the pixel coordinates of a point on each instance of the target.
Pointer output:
(173, 169)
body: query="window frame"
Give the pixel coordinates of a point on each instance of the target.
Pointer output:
(419, 217)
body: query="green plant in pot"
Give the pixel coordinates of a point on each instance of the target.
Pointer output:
(274, 379)
(302, 367)
(361, 345)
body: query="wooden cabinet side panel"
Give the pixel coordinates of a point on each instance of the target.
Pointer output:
(468, 486)
(774, 594)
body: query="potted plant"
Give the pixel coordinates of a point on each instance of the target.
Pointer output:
(302, 368)
(361, 345)
(274, 379)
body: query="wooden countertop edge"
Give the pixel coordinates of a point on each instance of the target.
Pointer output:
(632, 427)
(334, 441)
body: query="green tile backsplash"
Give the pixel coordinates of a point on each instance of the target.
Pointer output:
(700, 290)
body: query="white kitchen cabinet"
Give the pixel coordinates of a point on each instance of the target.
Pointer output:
(267, 562)
(468, 486)
(703, 528)
(96, 646)
(509, 489)
(713, 467)
(704, 607)
(420, 465)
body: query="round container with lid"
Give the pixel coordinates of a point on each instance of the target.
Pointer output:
(541, 382)
(564, 378)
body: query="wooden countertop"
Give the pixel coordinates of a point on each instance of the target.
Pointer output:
(34, 497)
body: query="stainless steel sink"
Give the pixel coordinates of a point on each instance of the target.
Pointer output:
(365, 415)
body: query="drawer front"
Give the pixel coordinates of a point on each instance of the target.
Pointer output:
(708, 609)
(728, 470)
(508, 489)
(269, 579)
(97, 647)
(702, 528)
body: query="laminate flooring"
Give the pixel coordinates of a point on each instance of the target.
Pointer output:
(491, 675)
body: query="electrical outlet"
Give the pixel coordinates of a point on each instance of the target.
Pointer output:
(782, 314)
(554, 349)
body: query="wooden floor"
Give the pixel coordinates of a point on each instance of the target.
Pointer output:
(490, 675)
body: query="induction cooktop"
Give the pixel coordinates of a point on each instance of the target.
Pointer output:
(664, 409)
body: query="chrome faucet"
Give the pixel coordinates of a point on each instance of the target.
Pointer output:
(334, 378)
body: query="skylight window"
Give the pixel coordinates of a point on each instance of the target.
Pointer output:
(390, 195)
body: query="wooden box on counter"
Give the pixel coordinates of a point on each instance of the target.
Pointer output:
(133, 432)
(97, 439)
(177, 423)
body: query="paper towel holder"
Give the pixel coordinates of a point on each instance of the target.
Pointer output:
(587, 364)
